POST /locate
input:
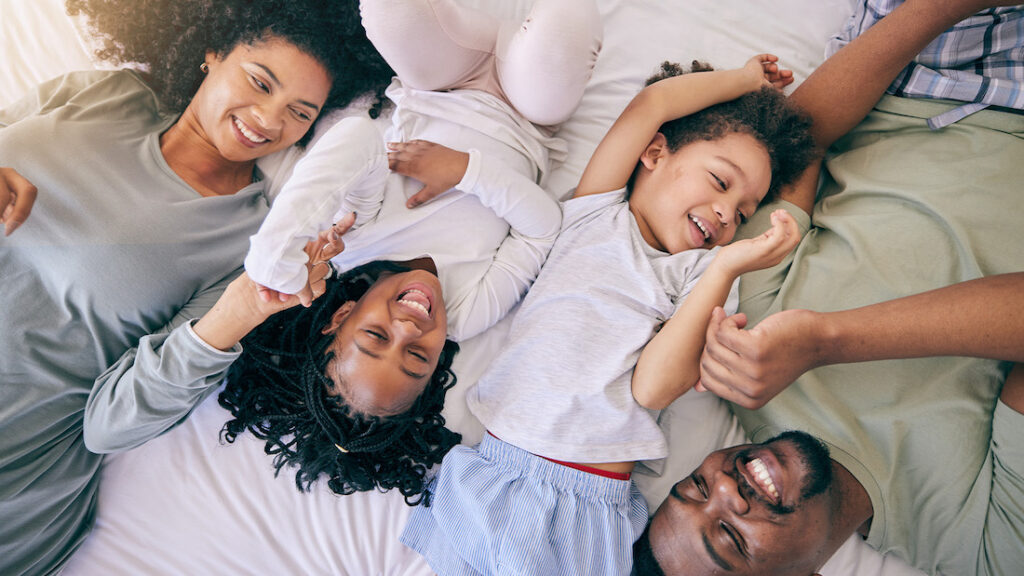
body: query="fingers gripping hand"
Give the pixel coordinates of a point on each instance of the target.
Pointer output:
(17, 195)
(766, 67)
(330, 243)
(438, 167)
(327, 245)
(750, 367)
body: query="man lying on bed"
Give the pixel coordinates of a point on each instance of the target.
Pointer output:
(925, 456)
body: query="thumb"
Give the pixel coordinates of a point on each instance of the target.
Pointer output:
(739, 320)
(305, 296)
(419, 198)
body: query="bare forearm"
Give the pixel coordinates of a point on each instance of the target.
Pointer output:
(616, 156)
(670, 363)
(848, 84)
(232, 317)
(981, 318)
(684, 95)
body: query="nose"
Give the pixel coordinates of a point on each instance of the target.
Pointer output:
(725, 493)
(269, 118)
(725, 211)
(406, 328)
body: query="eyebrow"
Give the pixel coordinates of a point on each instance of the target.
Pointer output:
(704, 536)
(274, 79)
(733, 165)
(714, 555)
(372, 354)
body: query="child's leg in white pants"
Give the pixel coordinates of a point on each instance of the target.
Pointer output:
(540, 66)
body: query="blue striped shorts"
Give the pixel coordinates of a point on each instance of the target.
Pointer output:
(496, 509)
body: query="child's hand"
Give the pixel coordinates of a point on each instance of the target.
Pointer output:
(318, 252)
(750, 367)
(438, 167)
(762, 251)
(17, 195)
(764, 67)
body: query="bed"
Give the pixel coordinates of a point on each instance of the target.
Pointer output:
(185, 503)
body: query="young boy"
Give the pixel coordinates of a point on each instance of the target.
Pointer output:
(548, 489)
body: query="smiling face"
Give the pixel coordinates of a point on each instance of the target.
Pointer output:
(753, 509)
(258, 99)
(696, 196)
(387, 344)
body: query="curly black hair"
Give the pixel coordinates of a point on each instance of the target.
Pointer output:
(277, 390)
(170, 38)
(766, 114)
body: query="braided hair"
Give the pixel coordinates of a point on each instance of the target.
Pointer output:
(168, 39)
(765, 114)
(277, 390)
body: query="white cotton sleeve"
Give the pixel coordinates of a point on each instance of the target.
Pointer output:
(344, 171)
(534, 218)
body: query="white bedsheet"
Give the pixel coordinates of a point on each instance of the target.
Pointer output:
(187, 504)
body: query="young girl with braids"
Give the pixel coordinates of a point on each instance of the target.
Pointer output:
(351, 388)
(373, 438)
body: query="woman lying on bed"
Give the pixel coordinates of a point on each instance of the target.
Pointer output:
(147, 193)
(352, 387)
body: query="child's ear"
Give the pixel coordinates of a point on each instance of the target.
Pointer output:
(339, 317)
(657, 149)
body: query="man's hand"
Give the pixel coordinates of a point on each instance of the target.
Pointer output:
(17, 195)
(750, 367)
(438, 167)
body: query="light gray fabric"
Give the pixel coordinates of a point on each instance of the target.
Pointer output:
(117, 247)
(561, 388)
(908, 210)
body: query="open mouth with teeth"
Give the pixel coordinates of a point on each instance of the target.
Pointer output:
(249, 134)
(416, 300)
(758, 470)
(700, 226)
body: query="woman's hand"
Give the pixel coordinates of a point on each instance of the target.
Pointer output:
(318, 252)
(243, 306)
(765, 67)
(762, 251)
(438, 167)
(17, 195)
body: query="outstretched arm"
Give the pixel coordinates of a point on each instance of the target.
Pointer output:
(982, 318)
(670, 363)
(616, 156)
(347, 162)
(841, 92)
(156, 384)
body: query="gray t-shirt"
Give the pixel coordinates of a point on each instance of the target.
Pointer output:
(117, 247)
(561, 386)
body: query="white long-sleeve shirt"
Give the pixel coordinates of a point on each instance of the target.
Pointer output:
(488, 237)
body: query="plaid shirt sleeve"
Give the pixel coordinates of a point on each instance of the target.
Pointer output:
(979, 61)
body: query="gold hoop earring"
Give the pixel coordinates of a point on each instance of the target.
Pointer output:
(205, 68)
